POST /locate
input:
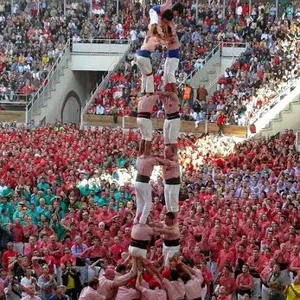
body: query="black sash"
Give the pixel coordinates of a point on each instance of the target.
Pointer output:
(173, 181)
(173, 116)
(171, 243)
(142, 178)
(139, 244)
(144, 115)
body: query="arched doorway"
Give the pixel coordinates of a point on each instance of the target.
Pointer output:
(71, 109)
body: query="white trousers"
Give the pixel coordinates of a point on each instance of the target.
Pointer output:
(214, 269)
(146, 128)
(171, 131)
(59, 275)
(19, 247)
(94, 272)
(144, 64)
(169, 252)
(264, 293)
(83, 273)
(137, 252)
(256, 289)
(143, 201)
(171, 193)
(153, 17)
(203, 292)
(170, 67)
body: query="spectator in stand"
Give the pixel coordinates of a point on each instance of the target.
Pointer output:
(226, 187)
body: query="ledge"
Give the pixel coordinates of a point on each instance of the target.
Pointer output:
(186, 126)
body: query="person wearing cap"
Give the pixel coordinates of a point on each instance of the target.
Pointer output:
(172, 180)
(141, 236)
(91, 291)
(30, 294)
(109, 282)
(144, 121)
(172, 123)
(171, 233)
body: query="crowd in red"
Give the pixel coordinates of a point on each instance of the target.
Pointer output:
(239, 203)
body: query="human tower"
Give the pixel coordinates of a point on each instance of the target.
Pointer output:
(162, 31)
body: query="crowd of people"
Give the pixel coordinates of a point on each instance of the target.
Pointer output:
(65, 214)
(268, 64)
(101, 213)
(33, 36)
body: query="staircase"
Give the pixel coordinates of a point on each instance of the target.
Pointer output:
(40, 99)
(216, 62)
(282, 113)
(206, 75)
(101, 85)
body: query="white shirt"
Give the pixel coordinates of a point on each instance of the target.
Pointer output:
(133, 35)
(26, 282)
(31, 298)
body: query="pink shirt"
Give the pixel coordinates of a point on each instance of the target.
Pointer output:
(127, 294)
(145, 165)
(150, 43)
(148, 294)
(106, 287)
(141, 233)
(173, 170)
(175, 289)
(193, 286)
(146, 103)
(89, 293)
(170, 103)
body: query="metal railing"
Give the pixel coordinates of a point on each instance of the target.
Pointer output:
(49, 79)
(207, 57)
(14, 98)
(103, 82)
(259, 114)
(109, 46)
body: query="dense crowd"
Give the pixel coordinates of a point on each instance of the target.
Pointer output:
(32, 38)
(269, 63)
(67, 197)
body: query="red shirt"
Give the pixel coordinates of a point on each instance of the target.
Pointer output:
(225, 256)
(8, 257)
(228, 282)
(95, 252)
(116, 251)
(66, 257)
(244, 279)
(18, 233)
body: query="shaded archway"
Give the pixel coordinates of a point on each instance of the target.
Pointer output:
(71, 108)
